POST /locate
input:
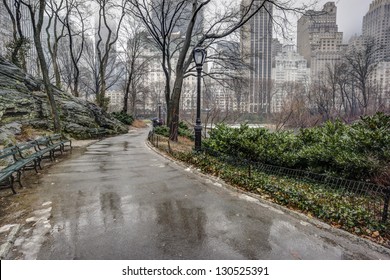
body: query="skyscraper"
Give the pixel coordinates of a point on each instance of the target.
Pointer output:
(175, 14)
(319, 40)
(376, 24)
(290, 71)
(256, 41)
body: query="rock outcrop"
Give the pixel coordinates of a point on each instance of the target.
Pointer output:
(24, 102)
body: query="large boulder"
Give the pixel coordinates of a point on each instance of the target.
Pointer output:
(23, 101)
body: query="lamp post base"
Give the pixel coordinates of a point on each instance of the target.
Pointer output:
(198, 137)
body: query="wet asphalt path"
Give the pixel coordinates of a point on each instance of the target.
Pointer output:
(121, 200)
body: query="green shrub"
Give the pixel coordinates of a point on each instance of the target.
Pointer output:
(352, 213)
(123, 117)
(359, 151)
(183, 131)
(162, 130)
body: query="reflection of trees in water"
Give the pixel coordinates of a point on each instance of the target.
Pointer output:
(110, 205)
(180, 225)
(244, 234)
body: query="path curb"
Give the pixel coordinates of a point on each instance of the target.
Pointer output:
(353, 238)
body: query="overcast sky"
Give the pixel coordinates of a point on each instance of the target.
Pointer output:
(350, 15)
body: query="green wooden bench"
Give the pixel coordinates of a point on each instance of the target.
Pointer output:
(59, 143)
(15, 160)
(28, 156)
(8, 169)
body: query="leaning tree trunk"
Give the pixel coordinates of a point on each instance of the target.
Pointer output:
(37, 29)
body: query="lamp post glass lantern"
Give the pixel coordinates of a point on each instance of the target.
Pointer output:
(199, 55)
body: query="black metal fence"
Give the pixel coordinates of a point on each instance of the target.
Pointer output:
(377, 197)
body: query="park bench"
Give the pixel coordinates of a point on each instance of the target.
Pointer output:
(16, 159)
(28, 156)
(7, 168)
(59, 143)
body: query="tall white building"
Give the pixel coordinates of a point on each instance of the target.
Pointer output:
(319, 40)
(226, 91)
(376, 24)
(290, 69)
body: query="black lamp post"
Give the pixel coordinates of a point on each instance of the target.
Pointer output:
(159, 110)
(199, 58)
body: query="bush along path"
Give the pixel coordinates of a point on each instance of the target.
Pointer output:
(348, 211)
(360, 151)
(237, 157)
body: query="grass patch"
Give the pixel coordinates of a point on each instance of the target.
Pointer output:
(139, 124)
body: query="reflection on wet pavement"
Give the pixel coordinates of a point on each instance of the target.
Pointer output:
(119, 200)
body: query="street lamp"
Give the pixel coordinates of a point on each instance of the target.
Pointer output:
(199, 55)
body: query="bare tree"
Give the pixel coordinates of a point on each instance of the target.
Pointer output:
(53, 10)
(20, 44)
(162, 17)
(362, 63)
(136, 64)
(107, 35)
(76, 13)
(37, 10)
(90, 72)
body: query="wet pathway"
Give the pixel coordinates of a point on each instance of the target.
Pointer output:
(120, 200)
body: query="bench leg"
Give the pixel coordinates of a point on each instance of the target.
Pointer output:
(36, 163)
(52, 157)
(18, 178)
(39, 163)
(12, 184)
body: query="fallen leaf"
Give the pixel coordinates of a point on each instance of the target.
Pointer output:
(375, 234)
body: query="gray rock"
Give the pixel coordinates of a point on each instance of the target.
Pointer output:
(23, 101)
(8, 132)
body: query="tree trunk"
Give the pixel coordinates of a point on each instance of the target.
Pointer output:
(126, 98)
(175, 107)
(37, 29)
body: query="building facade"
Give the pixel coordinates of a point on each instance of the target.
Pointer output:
(225, 87)
(376, 24)
(256, 41)
(290, 69)
(319, 40)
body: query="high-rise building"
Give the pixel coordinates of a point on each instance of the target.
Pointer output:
(176, 13)
(277, 47)
(224, 90)
(290, 70)
(319, 40)
(256, 41)
(376, 24)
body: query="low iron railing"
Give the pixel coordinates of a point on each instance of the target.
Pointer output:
(377, 198)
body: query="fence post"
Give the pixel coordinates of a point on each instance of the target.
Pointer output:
(249, 170)
(157, 141)
(386, 206)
